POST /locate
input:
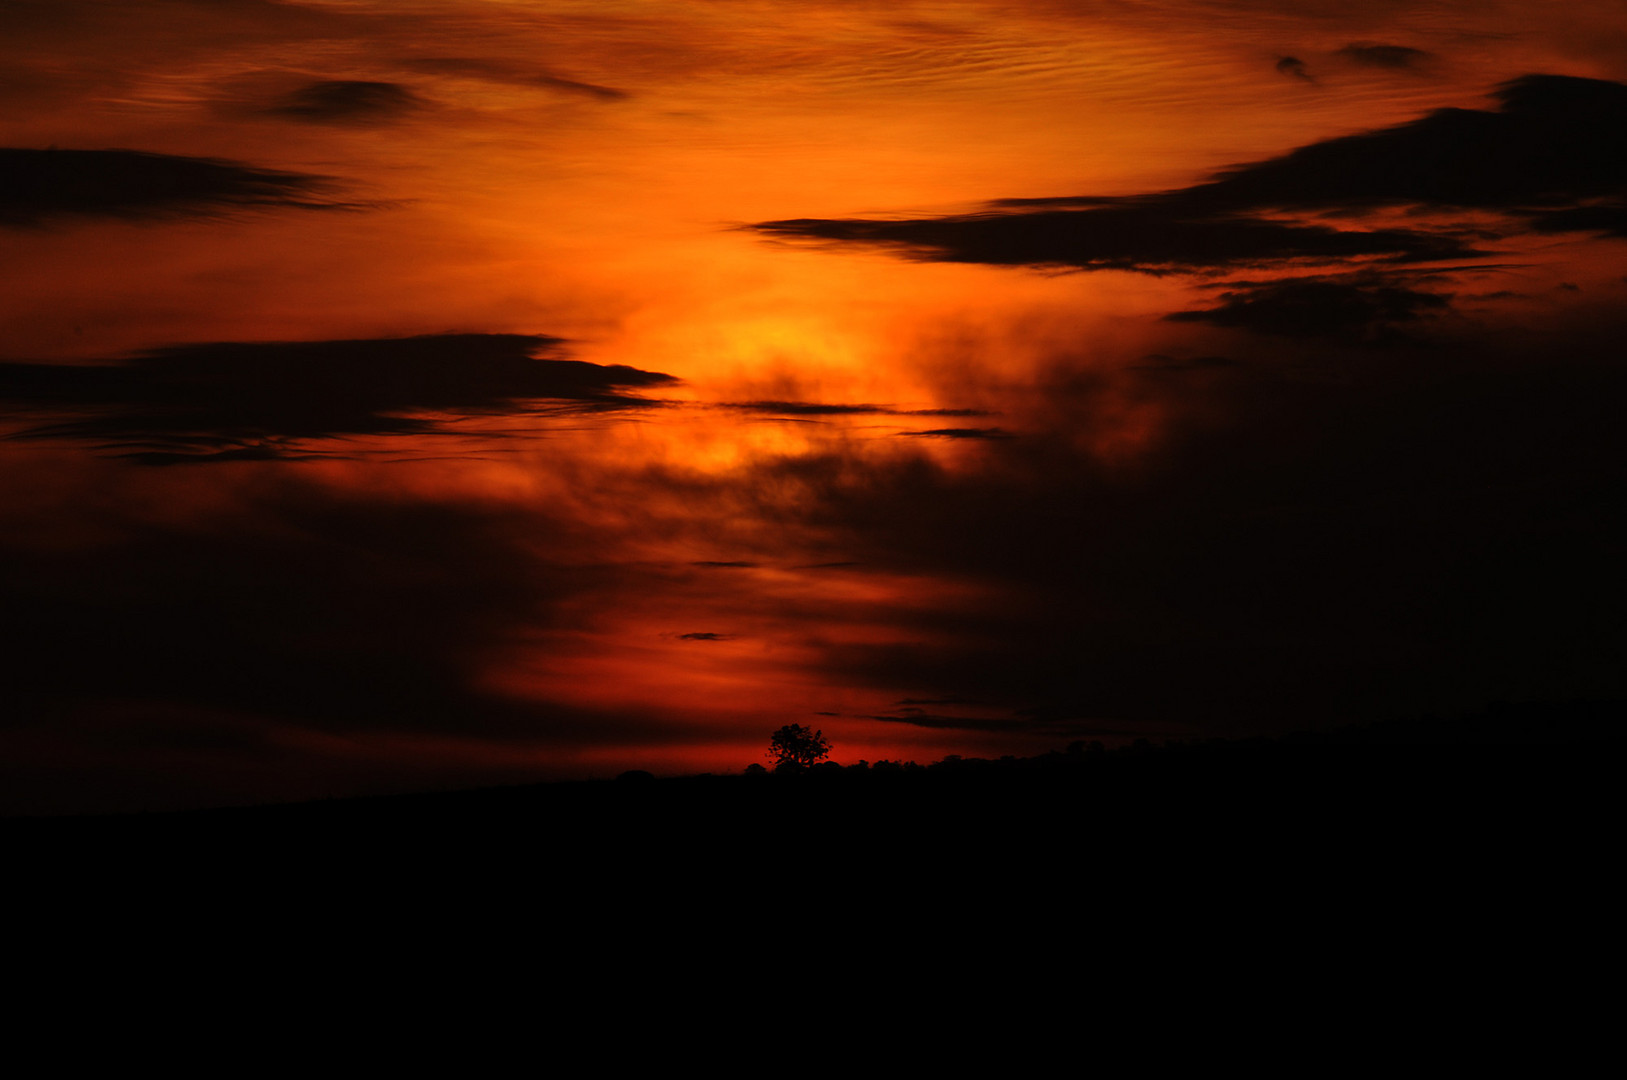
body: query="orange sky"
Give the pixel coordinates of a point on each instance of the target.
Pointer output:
(586, 170)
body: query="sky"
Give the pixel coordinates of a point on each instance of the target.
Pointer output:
(435, 393)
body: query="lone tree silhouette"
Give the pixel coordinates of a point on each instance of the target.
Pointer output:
(797, 747)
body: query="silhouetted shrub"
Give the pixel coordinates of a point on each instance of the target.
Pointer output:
(796, 747)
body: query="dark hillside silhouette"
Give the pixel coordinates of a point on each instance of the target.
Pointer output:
(1511, 761)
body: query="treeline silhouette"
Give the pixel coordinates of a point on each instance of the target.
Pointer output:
(1509, 746)
(1568, 724)
(1161, 826)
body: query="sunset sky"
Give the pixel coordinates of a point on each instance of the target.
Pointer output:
(411, 394)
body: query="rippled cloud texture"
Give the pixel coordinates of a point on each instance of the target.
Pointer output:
(415, 395)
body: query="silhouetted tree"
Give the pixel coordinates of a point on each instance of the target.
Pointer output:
(796, 747)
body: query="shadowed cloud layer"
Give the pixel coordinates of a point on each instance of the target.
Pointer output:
(234, 400)
(349, 101)
(353, 612)
(1554, 140)
(1360, 308)
(295, 642)
(1153, 237)
(515, 74)
(1420, 530)
(1374, 54)
(1554, 146)
(38, 185)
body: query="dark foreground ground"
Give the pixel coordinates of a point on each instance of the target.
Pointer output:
(1510, 763)
(1385, 863)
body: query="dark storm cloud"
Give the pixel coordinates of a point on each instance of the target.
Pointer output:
(513, 74)
(961, 433)
(1026, 722)
(918, 718)
(1609, 218)
(1364, 308)
(1554, 140)
(349, 101)
(804, 408)
(1309, 542)
(1153, 236)
(257, 400)
(1555, 146)
(705, 636)
(817, 408)
(295, 642)
(1394, 57)
(572, 86)
(338, 611)
(40, 185)
(1294, 66)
